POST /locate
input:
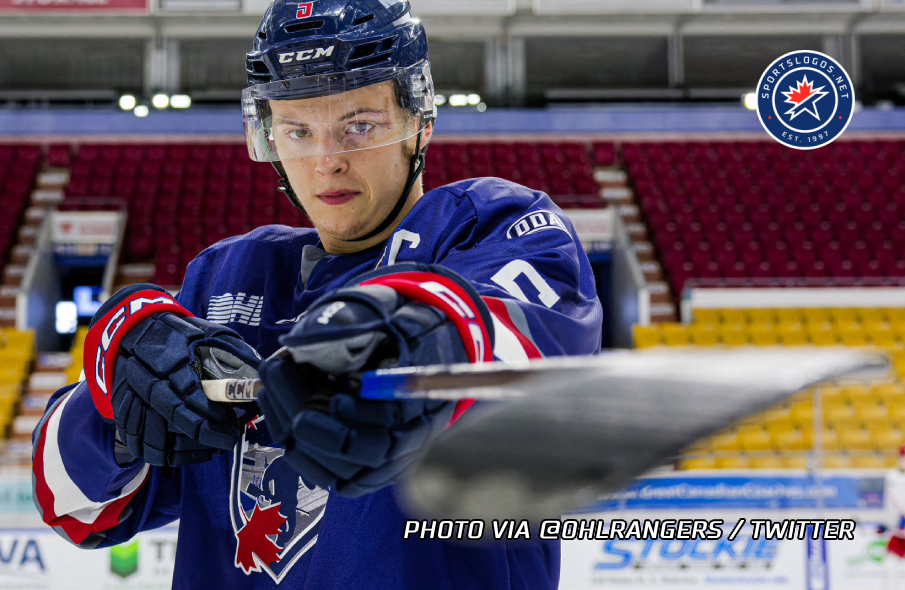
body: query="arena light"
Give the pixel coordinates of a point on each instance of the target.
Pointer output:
(474, 99)
(127, 102)
(750, 100)
(141, 110)
(458, 100)
(67, 318)
(180, 101)
(439, 100)
(160, 101)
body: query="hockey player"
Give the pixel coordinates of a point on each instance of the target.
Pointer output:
(298, 490)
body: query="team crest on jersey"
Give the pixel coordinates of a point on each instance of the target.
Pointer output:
(275, 515)
(805, 99)
(535, 222)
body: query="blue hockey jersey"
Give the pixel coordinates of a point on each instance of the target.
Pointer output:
(524, 258)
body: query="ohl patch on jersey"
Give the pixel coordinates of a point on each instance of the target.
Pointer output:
(805, 99)
(275, 515)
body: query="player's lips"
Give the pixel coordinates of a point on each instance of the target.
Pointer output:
(337, 197)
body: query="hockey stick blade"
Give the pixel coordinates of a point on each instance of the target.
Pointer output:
(576, 435)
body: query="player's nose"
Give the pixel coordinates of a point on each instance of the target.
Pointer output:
(329, 164)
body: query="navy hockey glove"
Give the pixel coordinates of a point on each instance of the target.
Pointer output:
(404, 315)
(145, 356)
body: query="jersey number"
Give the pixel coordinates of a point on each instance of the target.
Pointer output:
(506, 276)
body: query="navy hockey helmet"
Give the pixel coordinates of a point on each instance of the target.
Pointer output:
(332, 59)
(335, 48)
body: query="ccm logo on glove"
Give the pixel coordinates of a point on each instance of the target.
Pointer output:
(104, 336)
(450, 298)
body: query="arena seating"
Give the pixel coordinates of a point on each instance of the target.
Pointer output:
(862, 426)
(184, 197)
(18, 165)
(17, 351)
(735, 210)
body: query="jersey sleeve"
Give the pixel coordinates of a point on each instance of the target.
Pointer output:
(79, 487)
(538, 285)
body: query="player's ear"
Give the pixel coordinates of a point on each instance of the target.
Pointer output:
(426, 134)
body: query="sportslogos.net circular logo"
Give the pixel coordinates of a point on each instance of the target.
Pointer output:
(805, 100)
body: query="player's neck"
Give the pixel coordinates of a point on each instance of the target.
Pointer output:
(335, 246)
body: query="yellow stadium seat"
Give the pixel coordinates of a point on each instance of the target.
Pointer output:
(764, 335)
(733, 316)
(856, 392)
(898, 326)
(704, 335)
(836, 461)
(890, 461)
(793, 335)
(803, 412)
(734, 334)
(844, 315)
(731, 462)
(646, 336)
(869, 314)
(770, 461)
(697, 463)
(841, 427)
(894, 313)
(855, 438)
(869, 411)
(778, 415)
(789, 316)
(838, 412)
(852, 334)
(869, 461)
(761, 316)
(897, 414)
(889, 393)
(704, 315)
(816, 315)
(755, 440)
(822, 334)
(888, 439)
(793, 440)
(17, 339)
(725, 441)
(675, 334)
(794, 461)
(881, 335)
(9, 375)
(829, 439)
(830, 393)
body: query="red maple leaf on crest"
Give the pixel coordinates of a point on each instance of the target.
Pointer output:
(253, 538)
(804, 90)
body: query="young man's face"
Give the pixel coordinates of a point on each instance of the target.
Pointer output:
(347, 191)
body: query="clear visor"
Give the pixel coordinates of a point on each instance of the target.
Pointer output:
(335, 113)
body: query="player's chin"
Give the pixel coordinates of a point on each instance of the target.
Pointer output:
(343, 230)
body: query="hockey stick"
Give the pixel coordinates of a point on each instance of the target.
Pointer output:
(581, 426)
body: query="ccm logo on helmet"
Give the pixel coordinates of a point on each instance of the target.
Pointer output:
(306, 54)
(535, 222)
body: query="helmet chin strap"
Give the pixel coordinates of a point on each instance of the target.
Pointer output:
(416, 167)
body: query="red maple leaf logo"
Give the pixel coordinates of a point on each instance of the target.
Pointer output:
(804, 90)
(253, 539)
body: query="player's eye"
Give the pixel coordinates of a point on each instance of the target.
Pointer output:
(298, 134)
(359, 128)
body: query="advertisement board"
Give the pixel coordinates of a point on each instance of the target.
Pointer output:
(39, 559)
(74, 6)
